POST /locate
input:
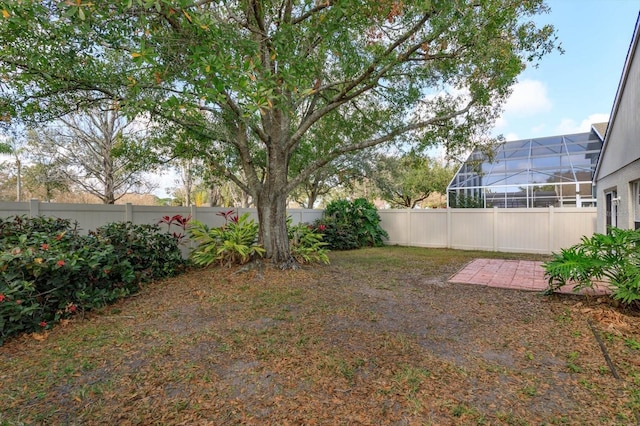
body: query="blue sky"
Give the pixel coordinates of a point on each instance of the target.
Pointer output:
(568, 92)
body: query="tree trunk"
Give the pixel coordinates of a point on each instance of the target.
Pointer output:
(310, 203)
(19, 181)
(245, 200)
(271, 203)
(274, 237)
(109, 184)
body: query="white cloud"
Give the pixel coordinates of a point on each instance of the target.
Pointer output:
(539, 129)
(511, 137)
(529, 97)
(500, 123)
(568, 125)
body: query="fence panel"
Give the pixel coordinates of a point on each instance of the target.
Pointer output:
(395, 223)
(13, 209)
(570, 224)
(472, 229)
(522, 230)
(88, 216)
(539, 230)
(92, 216)
(427, 228)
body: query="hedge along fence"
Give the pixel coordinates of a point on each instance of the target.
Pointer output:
(537, 230)
(49, 272)
(93, 216)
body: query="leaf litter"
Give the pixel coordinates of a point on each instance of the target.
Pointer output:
(377, 337)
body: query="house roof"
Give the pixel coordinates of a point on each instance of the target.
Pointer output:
(616, 103)
(600, 129)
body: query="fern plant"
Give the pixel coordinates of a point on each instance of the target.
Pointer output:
(614, 256)
(233, 243)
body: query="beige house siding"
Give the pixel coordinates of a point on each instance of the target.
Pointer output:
(619, 163)
(623, 138)
(622, 182)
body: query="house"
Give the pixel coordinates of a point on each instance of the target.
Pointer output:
(547, 171)
(617, 174)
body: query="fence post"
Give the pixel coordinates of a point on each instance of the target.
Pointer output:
(551, 230)
(34, 207)
(496, 229)
(408, 227)
(449, 214)
(194, 212)
(128, 212)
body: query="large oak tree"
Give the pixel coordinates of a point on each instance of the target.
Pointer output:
(256, 75)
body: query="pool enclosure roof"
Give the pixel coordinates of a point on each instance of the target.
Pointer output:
(555, 170)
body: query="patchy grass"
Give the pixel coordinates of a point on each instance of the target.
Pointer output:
(377, 337)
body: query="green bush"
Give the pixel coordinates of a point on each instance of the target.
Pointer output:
(351, 224)
(233, 243)
(49, 271)
(306, 244)
(152, 254)
(614, 256)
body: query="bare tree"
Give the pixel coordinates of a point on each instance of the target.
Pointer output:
(85, 146)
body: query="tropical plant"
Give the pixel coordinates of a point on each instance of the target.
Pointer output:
(236, 242)
(182, 222)
(306, 243)
(614, 257)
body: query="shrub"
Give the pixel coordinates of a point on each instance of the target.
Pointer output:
(306, 244)
(49, 271)
(153, 254)
(351, 224)
(233, 243)
(338, 236)
(614, 256)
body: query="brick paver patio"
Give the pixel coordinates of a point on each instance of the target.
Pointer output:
(525, 275)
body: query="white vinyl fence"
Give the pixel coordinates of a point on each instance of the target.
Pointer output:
(537, 230)
(92, 216)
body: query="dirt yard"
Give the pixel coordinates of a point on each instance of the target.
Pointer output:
(377, 337)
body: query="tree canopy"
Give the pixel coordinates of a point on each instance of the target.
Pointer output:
(84, 146)
(255, 77)
(405, 181)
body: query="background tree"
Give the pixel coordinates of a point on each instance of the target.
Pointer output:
(405, 181)
(343, 172)
(82, 145)
(258, 75)
(14, 146)
(44, 180)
